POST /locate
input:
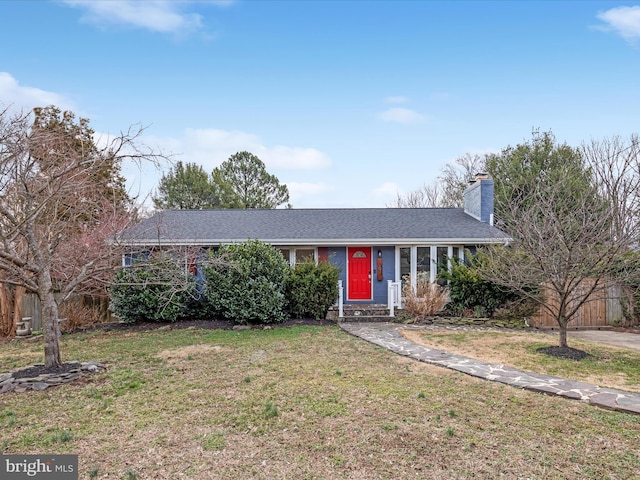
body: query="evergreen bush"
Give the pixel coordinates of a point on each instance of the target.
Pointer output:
(470, 292)
(248, 287)
(155, 290)
(311, 289)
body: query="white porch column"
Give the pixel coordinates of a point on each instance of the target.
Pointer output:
(433, 271)
(414, 268)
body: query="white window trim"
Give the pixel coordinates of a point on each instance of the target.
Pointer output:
(433, 253)
(292, 252)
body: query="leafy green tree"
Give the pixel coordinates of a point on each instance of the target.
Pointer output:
(521, 171)
(64, 134)
(187, 187)
(245, 183)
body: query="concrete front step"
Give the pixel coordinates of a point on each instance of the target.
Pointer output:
(366, 319)
(364, 312)
(361, 313)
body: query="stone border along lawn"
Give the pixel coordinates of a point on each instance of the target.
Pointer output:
(37, 377)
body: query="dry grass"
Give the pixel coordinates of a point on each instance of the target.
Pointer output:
(300, 403)
(608, 367)
(426, 300)
(189, 352)
(78, 315)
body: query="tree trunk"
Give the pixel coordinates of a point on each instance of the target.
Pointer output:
(49, 321)
(563, 331)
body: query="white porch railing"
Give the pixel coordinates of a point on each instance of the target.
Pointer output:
(394, 296)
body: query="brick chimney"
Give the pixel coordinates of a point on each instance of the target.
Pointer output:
(478, 198)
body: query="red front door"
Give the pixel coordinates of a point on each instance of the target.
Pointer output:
(359, 282)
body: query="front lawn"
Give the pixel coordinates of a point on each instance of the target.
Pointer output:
(606, 366)
(299, 403)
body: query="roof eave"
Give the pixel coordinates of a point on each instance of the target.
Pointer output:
(324, 241)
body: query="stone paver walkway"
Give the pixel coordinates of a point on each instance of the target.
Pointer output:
(387, 335)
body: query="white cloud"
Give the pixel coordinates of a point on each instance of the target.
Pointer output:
(155, 15)
(401, 115)
(396, 99)
(22, 97)
(625, 21)
(210, 147)
(387, 189)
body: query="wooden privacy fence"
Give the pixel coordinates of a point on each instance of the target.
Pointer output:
(10, 296)
(31, 308)
(77, 310)
(606, 306)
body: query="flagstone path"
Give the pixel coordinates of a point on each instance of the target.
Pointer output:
(387, 335)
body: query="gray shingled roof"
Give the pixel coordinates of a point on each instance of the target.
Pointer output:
(314, 227)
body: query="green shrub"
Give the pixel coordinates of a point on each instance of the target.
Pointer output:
(249, 285)
(517, 309)
(155, 290)
(469, 292)
(311, 289)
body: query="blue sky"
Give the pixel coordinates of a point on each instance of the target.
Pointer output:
(347, 102)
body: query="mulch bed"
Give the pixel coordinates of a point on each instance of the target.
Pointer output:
(200, 324)
(37, 370)
(564, 352)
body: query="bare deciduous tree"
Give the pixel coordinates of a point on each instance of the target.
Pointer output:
(427, 196)
(447, 191)
(574, 228)
(455, 178)
(57, 235)
(615, 163)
